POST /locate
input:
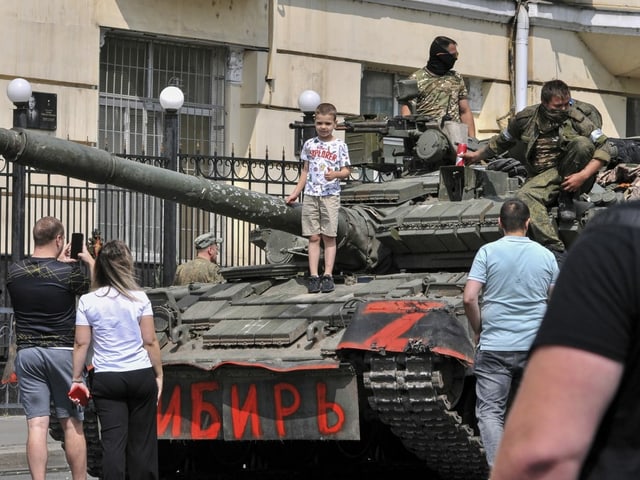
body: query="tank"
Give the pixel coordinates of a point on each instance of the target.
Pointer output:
(374, 377)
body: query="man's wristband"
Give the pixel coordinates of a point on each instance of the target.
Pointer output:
(76, 381)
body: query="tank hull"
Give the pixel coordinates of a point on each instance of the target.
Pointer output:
(378, 365)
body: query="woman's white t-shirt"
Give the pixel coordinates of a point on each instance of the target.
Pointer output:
(115, 323)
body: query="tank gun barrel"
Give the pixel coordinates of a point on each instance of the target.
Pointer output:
(54, 155)
(63, 157)
(398, 126)
(367, 126)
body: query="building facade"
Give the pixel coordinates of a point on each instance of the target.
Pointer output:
(243, 63)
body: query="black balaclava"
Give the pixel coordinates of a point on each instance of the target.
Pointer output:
(555, 117)
(440, 60)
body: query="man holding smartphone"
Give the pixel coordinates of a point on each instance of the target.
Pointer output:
(43, 291)
(77, 241)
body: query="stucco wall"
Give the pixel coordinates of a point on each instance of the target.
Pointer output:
(320, 44)
(606, 4)
(241, 22)
(561, 54)
(55, 45)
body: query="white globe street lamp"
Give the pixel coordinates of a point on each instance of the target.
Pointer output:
(19, 92)
(308, 101)
(171, 100)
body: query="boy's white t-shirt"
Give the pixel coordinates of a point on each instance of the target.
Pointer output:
(322, 157)
(115, 323)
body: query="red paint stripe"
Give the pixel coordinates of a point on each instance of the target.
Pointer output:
(312, 366)
(401, 306)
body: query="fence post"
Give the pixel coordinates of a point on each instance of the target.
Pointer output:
(171, 99)
(17, 212)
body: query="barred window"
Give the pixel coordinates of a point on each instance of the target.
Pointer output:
(376, 93)
(133, 71)
(633, 117)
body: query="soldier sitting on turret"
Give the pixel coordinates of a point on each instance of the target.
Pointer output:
(204, 268)
(565, 148)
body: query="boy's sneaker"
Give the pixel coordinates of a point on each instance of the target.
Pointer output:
(327, 285)
(314, 284)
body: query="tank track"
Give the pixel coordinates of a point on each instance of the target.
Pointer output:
(409, 396)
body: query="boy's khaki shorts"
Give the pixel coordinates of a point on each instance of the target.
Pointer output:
(320, 215)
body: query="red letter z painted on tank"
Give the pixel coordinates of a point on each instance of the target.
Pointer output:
(386, 324)
(391, 336)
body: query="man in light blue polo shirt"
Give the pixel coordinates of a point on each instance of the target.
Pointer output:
(515, 276)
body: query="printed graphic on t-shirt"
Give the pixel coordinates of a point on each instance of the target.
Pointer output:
(323, 157)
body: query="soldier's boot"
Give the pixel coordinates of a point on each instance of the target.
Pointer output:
(566, 208)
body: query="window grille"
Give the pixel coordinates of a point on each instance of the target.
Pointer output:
(133, 72)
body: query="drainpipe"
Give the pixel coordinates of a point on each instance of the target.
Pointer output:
(273, 11)
(522, 56)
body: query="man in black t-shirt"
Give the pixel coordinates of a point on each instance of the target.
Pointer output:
(576, 414)
(43, 290)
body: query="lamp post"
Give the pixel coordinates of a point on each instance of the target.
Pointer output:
(171, 100)
(308, 101)
(19, 92)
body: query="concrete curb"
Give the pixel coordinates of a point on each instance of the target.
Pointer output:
(15, 460)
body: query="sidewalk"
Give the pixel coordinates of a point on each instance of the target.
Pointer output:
(13, 440)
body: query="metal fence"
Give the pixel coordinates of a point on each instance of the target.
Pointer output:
(135, 218)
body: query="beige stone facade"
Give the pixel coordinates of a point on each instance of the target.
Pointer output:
(287, 46)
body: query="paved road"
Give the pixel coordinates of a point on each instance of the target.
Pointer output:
(13, 457)
(13, 438)
(51, 475)
(13, 461)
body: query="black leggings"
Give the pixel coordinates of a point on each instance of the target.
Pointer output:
(126, 406)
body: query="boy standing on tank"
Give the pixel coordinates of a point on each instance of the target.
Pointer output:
(326, 162)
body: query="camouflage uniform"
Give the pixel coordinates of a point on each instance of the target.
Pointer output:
(439, 94)
(552, 153)
(623, 178)
(198, 270)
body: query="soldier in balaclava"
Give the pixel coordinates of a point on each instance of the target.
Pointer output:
(442, 92)
(564, 150)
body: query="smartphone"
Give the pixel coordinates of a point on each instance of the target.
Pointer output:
(77, 239)
(79, 394)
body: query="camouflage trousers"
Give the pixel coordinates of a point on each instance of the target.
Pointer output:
(541, 191)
